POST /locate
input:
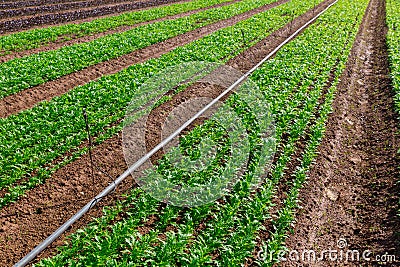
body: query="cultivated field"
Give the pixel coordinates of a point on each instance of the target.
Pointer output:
(256, 133)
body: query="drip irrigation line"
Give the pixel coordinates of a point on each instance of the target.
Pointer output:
(109, 189)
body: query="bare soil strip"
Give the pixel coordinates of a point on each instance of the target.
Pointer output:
(43, 9)
(28, 98)
(26, 223)
(352, 191)
(56, 18)
(85, 39)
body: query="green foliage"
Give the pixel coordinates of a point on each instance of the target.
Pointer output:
(286, 215)
(292, 82)
(21, 73)
(42, 36)
(33, 138)
(393, 41)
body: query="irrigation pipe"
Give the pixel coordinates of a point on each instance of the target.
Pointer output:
(50, 239)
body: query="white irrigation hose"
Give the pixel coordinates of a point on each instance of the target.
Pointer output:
(31, 255)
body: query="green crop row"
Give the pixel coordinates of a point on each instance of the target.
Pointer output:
(286, 216)
(21, 73)
(210, 239)
(231, 231)
(112, 244)
(242, 212)
(42, 36)
(285, 220)
(393, 40)
(33, 138)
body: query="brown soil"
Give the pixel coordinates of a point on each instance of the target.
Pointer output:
(352, 191)
(61, 43)
(23, 23)
(29, 221)
(28, 98)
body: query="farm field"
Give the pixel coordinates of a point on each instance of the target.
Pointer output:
(256, 133)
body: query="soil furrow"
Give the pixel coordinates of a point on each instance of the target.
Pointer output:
(28, 98)
(85, 39)
(352, 191)
(56, 18)
(47, 206)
